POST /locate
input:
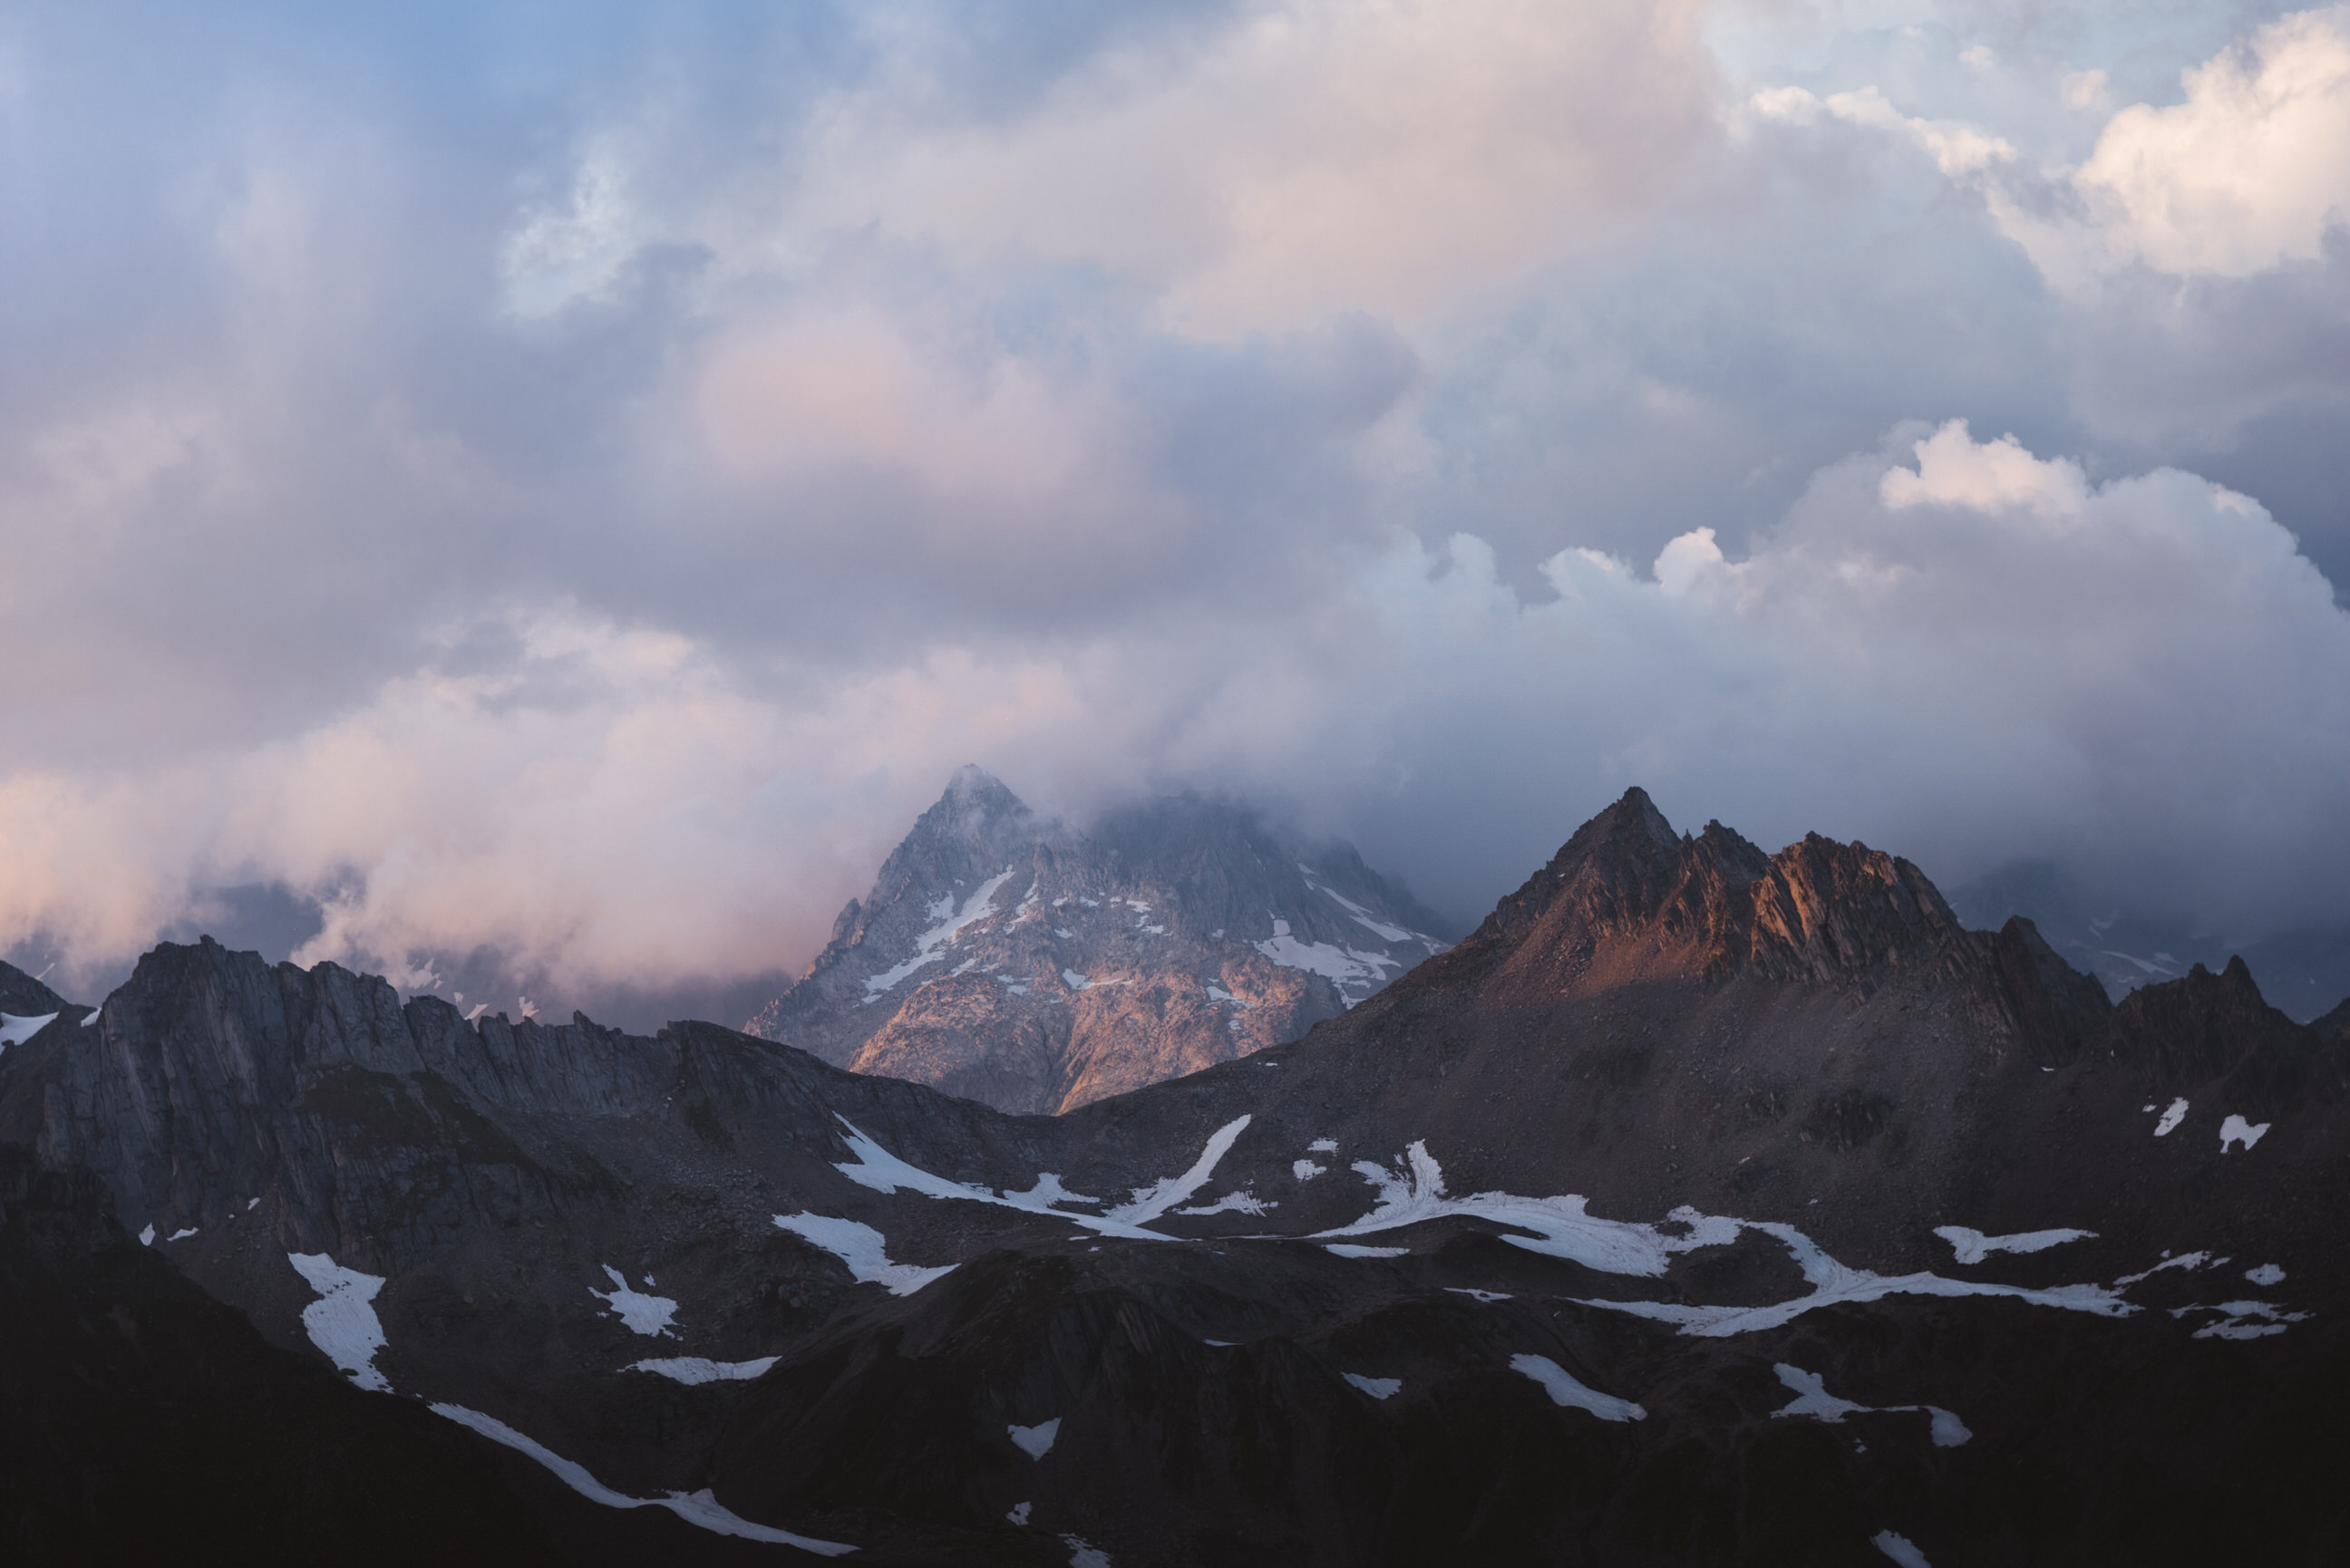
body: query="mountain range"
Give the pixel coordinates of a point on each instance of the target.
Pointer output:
(1701, 1206)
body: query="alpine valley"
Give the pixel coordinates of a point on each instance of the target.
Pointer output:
(1701, 1206)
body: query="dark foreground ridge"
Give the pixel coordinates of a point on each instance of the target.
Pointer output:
(1704, 1206)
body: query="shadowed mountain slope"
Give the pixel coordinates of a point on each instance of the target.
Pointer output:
(1704, 1206)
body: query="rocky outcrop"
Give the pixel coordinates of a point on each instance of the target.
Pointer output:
(22, 996)
(2216, 1029)
(1017, 961)
(211, 1079)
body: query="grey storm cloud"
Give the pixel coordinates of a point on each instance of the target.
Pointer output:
(575, 492)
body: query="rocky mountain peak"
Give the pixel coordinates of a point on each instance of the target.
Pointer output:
(1016, 959)
(2206, 1026)
(1628, 898)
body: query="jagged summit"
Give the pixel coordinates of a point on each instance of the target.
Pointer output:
(1014, 959)
(1627, 898)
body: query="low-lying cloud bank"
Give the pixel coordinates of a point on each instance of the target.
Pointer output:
(1952, 647)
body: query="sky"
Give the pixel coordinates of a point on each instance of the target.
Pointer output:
(554, 491)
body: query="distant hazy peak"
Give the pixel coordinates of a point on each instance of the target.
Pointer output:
(1014, 959)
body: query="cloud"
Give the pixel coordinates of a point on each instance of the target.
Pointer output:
(1309, 156)
(1960, 650)
(2251, 170)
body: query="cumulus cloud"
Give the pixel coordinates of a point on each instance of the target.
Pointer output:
(2250, 170)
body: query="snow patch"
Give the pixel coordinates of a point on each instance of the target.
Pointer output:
(1019, 1514)
(1075, 981)
(698, 1507)
(1240, 1202)
(341, 1322)
(878, 1168)
(950, 922)
(1900, 1549)
(2242, 1320)
(15, 1030)
(863, 1249)
(695, 1369)
(1973, 1246)
(1377, 1387)
(1345, 1249)
(1833, 1281)
(1322, 1145)
(1475, 1295)
(180, 1235)
(1151, 1202)
(2236, 1129)
(1344, 967)
(2184, 1260)
(1414, 1192)
(651, 1316)
(2266, 1274)
(1306, 1170)
(1566, 1392)
(1813, 1399)
(147, 1237)
(2171, 1118)
(1082, 1555)
(1035, 1441)
(1047, 1191)
(1218, 994)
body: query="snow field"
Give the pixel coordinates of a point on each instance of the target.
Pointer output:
(1566, 1392)
(342, 1321)
(653, 1316)
(863, 1249)
(1973, 1246)
(1035, 1441)
(695, 1369)
(1813, 1399)
(699, 1507)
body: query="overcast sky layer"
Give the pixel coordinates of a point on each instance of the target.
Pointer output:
(569, 483)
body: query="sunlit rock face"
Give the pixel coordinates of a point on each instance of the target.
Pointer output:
(1013, 960)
